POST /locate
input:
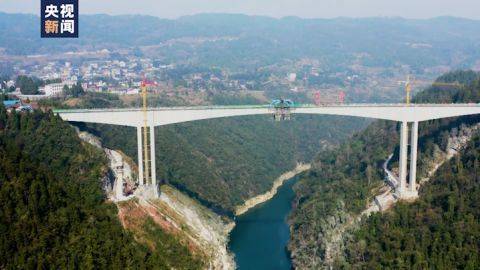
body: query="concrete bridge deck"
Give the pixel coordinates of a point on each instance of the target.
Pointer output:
(170, 115)
(406, 114)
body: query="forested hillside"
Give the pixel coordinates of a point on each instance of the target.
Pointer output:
(441, 230)
(343, 180)
(223, 162)
(53, 213)
(338, 185)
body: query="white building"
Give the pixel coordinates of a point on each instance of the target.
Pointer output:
(56, 89)
(53, 89)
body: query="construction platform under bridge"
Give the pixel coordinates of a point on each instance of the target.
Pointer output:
(281, 109)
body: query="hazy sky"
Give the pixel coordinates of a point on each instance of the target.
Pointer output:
(276, 8)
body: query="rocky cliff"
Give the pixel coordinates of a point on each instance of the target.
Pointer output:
(195, 226)
(339, 227)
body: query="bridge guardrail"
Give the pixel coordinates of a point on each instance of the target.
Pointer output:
(393, 105)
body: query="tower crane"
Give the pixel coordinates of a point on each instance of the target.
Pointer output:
(146, 143)
(409, 84)
(341, 97)
(317, 98)
(408, 89)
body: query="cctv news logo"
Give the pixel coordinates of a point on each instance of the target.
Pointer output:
(59, 18)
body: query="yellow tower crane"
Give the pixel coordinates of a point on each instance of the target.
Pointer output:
(146, 142)
(145, 133)
(408, 89)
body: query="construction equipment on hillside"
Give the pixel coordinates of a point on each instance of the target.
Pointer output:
(281, 109)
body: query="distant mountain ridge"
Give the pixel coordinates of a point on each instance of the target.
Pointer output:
(264, 39)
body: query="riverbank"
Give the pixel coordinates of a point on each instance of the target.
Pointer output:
(252, 202)
(205, 233)
(261, 235)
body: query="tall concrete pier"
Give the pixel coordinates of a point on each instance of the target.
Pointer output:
(405, 114)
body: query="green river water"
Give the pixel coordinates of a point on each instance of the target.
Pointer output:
(259, 240)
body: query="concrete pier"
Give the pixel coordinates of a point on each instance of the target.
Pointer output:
(140, 156)
(413, 158)
(402, 169)
(404, 190)
(411, 113)
(152, 156)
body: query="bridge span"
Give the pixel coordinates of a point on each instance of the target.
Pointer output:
(406, 114)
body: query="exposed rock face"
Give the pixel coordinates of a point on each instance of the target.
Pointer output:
(119, 181)
(108, 182)
(459, 137)
(207, 229)
(336, 229)
(252, 202)
(89, 138)
(205, 232)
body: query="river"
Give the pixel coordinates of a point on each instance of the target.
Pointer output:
(261, 235)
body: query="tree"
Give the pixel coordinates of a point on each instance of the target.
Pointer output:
(52, 209)
(444, 138)
(74, 91)
(440, 230)
(369, 173)
(27, 85)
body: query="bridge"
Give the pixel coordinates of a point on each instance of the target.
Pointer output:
(408, 115)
